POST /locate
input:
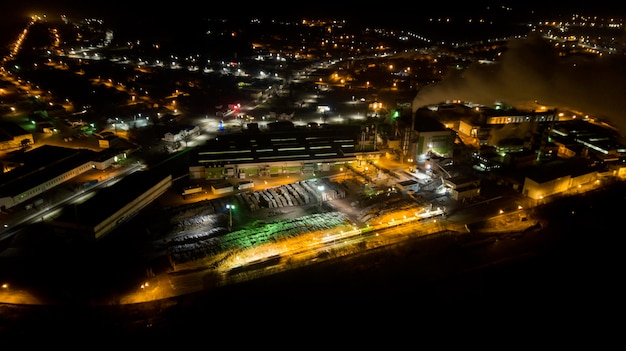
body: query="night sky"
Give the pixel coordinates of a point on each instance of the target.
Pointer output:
(356, 10)
(399, 14)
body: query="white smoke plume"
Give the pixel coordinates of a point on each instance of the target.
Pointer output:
(530, 72)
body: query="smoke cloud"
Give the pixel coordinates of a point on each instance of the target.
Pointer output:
(531, 73)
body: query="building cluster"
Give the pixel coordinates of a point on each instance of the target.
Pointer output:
(539, 154)
(554, 156)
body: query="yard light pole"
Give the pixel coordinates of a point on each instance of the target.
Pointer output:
(230, 215)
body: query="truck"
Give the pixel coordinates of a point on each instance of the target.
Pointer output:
(90, 183)
(34, 204)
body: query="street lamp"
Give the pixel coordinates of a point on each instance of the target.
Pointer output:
(321, 190)
(230, 215)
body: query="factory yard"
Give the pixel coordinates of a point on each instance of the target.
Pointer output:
(194, 237)
(284, 232)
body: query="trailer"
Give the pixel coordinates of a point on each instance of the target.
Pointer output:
(222, 188)
(245, 184)
(195, 189)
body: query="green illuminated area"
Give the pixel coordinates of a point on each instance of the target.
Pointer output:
(280, 230)
(217, 243)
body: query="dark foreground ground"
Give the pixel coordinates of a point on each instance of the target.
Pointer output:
(567, 274)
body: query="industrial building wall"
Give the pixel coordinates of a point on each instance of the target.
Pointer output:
(537, 191)
(131, 209)
(38, 189)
